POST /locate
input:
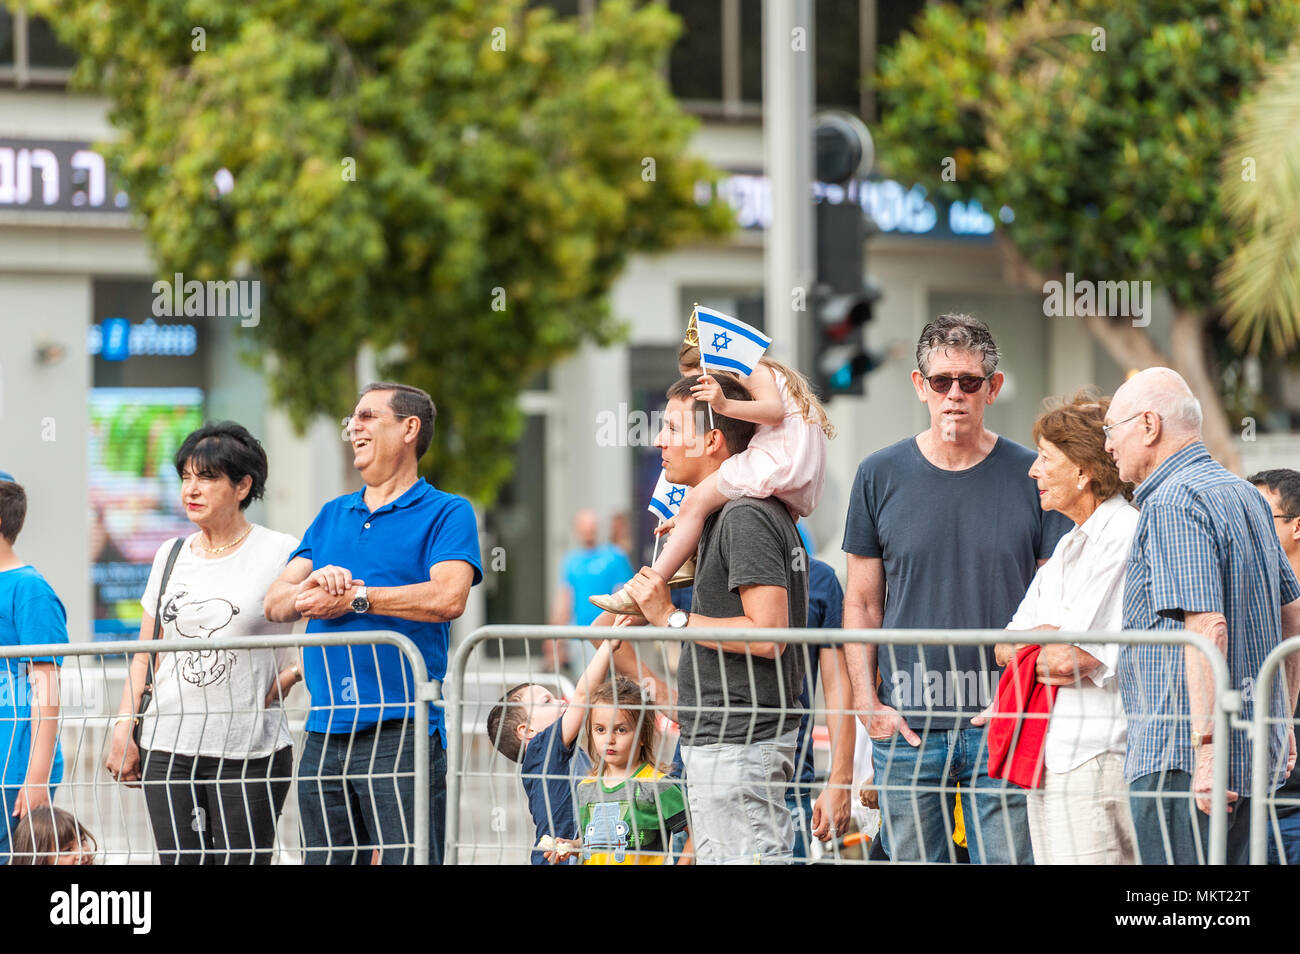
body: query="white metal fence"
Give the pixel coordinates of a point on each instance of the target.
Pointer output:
(91, 679)
(488, 814)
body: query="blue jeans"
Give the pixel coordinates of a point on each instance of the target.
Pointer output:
(1289, 828)
(799, 799)
(356, 793)
(1171, 830)
(917, 786)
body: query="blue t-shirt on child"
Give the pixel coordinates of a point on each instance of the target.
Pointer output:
(357, 687)
(550, 769)
(31, 614)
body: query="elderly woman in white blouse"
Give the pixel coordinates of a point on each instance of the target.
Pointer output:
(1080, 815)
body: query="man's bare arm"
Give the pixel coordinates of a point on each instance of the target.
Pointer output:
(280, 597)
(864, 608)
(1200, 674)
(766, 607)
(440, 600)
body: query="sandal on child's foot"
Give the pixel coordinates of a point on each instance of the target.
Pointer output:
(618, 603)
(683, 577)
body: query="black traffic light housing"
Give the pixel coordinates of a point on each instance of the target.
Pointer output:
(844, 299)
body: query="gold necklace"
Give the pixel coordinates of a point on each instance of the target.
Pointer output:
(228, 545)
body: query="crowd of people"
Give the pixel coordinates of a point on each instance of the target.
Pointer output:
(1047, 751)
(204, 732)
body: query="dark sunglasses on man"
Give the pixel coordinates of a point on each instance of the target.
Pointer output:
(970, 383)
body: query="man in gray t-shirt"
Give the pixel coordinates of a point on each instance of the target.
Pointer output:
(944, 531)
(737, 702)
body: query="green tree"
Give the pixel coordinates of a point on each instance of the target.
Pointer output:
(1261, 191)
(456, 184)
(1103, 126)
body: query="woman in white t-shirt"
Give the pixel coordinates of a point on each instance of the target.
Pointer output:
(1080, 815)
(215, 756)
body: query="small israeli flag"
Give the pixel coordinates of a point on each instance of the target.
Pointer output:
(666, 499)
(727, 343)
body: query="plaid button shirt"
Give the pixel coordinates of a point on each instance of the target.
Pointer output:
(1204, 543)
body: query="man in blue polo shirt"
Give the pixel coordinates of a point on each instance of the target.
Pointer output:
(399, 555)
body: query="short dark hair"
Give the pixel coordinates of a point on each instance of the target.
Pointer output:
(504, 720)
(13, 510)
(407, 402)
(225, 449)
(735, 432)
(1283, 482)
(957, 332)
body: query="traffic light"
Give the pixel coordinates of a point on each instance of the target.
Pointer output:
(843, 300)
(842, 359)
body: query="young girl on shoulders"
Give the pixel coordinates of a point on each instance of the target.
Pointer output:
(786, 458)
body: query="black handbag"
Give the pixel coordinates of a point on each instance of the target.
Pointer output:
(146, 696)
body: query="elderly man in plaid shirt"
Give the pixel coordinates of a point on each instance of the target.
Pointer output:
(1205, 558)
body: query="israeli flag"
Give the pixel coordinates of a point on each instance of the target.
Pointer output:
(666, 499)
(727, 343)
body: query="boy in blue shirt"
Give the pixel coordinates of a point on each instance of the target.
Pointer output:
(30, 614)
(531, 726)
(534, 728)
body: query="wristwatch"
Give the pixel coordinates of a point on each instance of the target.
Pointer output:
(361, 603)
(1201, 738)
(677, 619)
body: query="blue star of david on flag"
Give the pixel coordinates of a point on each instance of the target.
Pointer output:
(743, 344)
(666, 498)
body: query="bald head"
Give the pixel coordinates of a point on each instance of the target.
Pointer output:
(586, 528)
(1163, 391)
(1151, 417)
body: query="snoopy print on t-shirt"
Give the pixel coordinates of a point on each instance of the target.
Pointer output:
(201, 619)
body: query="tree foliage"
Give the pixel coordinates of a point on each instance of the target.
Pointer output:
(501, 156)
(1103, 127)
(1261, 186)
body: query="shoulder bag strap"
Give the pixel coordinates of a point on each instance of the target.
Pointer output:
(157, 613)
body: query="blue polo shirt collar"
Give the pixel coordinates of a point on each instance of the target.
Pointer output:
(413, 494)
(1193, 453)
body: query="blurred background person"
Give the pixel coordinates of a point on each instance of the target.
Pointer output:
(213, 751)
(1281, 488)
(589, 569)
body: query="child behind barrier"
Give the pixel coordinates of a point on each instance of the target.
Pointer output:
(531, 726)
(628, 809)
(52, 836)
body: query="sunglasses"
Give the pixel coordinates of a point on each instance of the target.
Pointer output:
(970, 383)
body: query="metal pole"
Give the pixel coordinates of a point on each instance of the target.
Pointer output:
(788, 51)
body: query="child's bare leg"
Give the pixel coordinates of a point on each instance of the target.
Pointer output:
(700, 501)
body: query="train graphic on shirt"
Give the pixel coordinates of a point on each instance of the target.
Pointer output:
(607, 831)
(201, 619)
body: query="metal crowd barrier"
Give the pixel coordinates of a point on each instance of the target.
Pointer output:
(1263, 802)
(488, 819)
(90, 681)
